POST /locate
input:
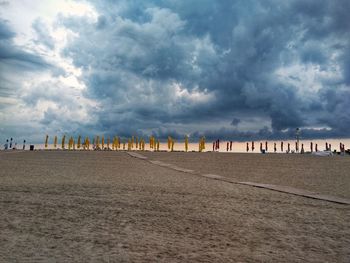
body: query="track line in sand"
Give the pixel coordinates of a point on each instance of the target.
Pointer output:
(277, 188)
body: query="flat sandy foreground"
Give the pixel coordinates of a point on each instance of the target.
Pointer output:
(60, 206)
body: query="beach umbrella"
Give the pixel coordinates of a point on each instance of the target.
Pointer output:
(63, 141)
(73, 142)
(46, 140)
(70, 143)
(97, 142)
(87, 143)
(169, 142)
(136, 142)
(253, 147)
(55, 142)
(186, 143)
(158, 144)
(172, 145)
(281, 146)
(103, 142)
(266, 146)
(108, 142)
(311, 147)
(203, 142)
(132, 141)
(78, 144)
(247, 147)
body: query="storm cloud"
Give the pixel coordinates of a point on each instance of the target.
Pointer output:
(187, 67)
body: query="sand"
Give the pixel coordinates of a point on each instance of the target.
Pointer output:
(60, 206)
(325, 175)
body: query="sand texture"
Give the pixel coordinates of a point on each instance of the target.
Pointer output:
(60, 206)
(325, 175)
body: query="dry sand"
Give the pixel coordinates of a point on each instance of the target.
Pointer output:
(325, 175)
(109, 207)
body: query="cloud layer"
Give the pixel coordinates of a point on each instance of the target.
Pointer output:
(228, 69)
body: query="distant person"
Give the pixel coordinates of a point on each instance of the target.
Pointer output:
(230, 145)
(24, 144)
(6, 145)
(275, 147)
(213, 146)
(11, 143)
(227, 146)
(247, 147)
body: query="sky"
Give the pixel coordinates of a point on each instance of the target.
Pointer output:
(228, 69)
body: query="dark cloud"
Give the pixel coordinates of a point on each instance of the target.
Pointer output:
(235, 121)
(138, 51)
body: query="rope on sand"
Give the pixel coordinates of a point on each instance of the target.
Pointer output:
(277, 188)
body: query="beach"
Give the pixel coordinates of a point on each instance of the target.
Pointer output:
(104, 206)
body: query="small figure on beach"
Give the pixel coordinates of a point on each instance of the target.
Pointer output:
(326, 146)
(288, 148)
(261, 147)
(253, 148)
(274, 147)
(227, 146)
(11, 143)
(266, 147)
(24, 144)
(247, 147)
(302, 148)
(316, 147)
(6, 145)
(311, 147)
(281, 146)
(230, 145)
